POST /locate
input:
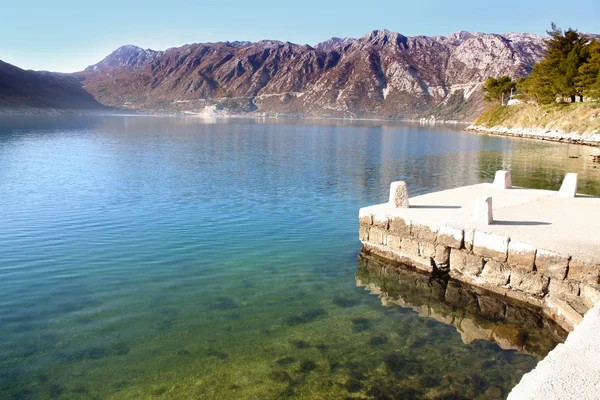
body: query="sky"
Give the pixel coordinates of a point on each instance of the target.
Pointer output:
(67, 36)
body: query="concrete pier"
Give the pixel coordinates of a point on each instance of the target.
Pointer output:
(541, 246)
(571, 371)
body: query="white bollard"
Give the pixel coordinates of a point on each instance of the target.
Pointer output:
(399, 195)
(502, 180)
(483, 210)
(569, 185)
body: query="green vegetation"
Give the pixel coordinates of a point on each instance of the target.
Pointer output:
(569, 73)
(570, 68)
(498, 89)
(495, 115)
(565, 117)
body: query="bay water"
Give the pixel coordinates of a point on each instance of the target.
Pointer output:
(182, 257)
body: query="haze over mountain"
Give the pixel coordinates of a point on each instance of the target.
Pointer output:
(30, 90)
(380, 75)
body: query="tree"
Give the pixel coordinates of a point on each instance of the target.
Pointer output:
(497, 89)
(556, 75)
(537, 86)
(588, 80)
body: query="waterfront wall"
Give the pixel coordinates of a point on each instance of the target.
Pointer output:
(563, 285)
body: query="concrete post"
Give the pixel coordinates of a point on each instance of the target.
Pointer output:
(483, 210)
(502, 180)
(399, 195)
(569, 185)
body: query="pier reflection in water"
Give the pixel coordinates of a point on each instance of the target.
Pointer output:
(476, 313)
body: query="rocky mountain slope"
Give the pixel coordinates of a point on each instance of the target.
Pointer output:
(30, 90)
(382, 74)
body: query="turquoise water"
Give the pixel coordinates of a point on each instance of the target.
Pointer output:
(176, 257)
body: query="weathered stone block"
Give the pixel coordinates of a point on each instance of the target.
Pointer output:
(521, 255)
(561, 310)
(590, 293)
(399, 226)
(529, 282)
(468, 239)
(466, 264)
(363, 233)
(451, 237)
(490, 245)
(380, 221)
(563, 287)
(399, 194)
(424, 232)
(551, 264)
(394, 242)
(583, 272)
(457, 259)
(377, 235)
(426, 249)
(442, 256)
(410, 248)
(496, 273)
(365, 219)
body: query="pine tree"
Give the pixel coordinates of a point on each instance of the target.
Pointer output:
(556, 75)
(538, 85)
(588, 80)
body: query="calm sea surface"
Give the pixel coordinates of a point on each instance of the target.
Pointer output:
(161, 257)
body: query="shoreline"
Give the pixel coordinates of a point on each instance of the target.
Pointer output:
(587, 139)
(220, 115)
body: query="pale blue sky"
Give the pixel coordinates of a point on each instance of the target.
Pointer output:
(67, 36)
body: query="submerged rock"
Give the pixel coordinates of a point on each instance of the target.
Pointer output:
(306, 316)
(345, 301)
(300, 344)
(286, 361)
(219, 354)
(360, 324)
(224, 303)
(280, 376)
(307, 366)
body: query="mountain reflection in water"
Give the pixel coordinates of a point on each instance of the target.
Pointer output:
(476, 313)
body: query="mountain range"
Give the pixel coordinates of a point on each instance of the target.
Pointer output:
(380, 75)
(35, 91)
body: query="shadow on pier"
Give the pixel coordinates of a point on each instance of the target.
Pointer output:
(476, 313)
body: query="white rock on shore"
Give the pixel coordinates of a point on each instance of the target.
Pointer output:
(592, 139)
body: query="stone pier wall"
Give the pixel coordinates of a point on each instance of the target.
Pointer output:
(564, 286)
